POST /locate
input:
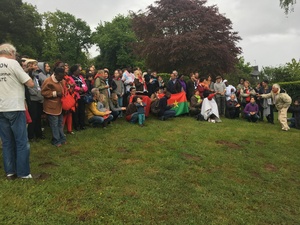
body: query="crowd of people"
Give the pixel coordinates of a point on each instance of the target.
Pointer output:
(30, 92)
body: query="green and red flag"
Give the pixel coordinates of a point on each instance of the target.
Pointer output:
(180, 103)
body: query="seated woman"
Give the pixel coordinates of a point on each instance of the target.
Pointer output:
(232, 108)
(195, 104)
(114, 106)
(165, 111)
(209, 109)
(251, 111)
(95, 116)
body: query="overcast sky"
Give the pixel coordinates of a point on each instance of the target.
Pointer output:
(270, 38)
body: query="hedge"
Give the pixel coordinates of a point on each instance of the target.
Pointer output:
(292, 88)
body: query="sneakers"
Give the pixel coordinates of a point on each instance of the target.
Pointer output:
(70, 132)
(11, 176)
(29, 176)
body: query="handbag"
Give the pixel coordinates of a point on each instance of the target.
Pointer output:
(67, 101)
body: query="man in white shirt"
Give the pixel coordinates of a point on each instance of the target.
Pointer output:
(13, 130)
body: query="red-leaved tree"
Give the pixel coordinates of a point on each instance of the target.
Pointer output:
(186, 35)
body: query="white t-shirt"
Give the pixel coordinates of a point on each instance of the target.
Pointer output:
(12, 90)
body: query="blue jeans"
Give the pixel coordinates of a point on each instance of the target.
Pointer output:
(141, 118)
(56, 124)
(15, 146)
(96, 121)
(169, 114)
(134, 117)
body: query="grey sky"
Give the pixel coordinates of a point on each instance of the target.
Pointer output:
(270, 38)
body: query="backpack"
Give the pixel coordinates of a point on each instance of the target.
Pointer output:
(155, 107)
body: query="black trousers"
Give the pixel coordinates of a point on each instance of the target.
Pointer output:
(35, 128)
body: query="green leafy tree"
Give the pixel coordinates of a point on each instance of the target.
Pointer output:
(242, 69)
(287, 5)
(186, 35)
(289, 72)
(21, 26)
(114, 40)
(66, 38)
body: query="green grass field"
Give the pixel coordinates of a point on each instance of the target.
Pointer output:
(180, 171)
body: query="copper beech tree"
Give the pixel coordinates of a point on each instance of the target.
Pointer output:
(186, 35)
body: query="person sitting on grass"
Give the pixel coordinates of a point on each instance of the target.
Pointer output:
(251, 111)
(232, 108)
(165, 111)
(131, 114)
(96, 117)
(195, 105)
(114, 106)
(209, 108)
(295, 120)
(140, 105)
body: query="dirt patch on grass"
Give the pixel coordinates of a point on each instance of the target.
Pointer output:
(122, 150)
(229, 144)
(260, 143)
(47, 165)
(244, 141)
(44, 176)
(270, 167)
(86, 216)
(191, 157)
(131, 161)
(255, 174)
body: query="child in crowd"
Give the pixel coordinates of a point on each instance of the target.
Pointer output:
(140, 105)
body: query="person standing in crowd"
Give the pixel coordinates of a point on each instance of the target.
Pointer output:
(79, 114)
(209, 83)
(35, 103)
(139, 82)
(191, 86)
(153, 83)
(239, 87)
(282, 102)
(230, 90)
(173, 85)
(220, 90)
(71, 89)
(128, 79)
(43, 71)
(266, 103)
(118, 88)
(251, 111)
(13, 132)
(53, 90)
(245, 94)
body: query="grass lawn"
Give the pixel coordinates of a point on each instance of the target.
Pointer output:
(180, 171)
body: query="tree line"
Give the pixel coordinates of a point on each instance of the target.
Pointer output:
(172, 34)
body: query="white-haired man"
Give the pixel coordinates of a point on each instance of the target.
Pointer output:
(282, 102)
(13, 130)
